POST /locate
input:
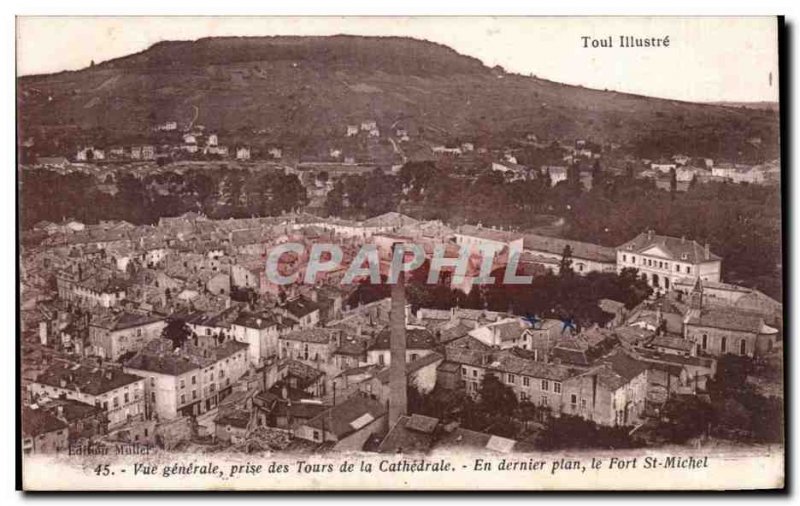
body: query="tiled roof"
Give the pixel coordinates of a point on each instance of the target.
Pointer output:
(89, 380)
(301, 306)
(727, 318)
(39, 421)
(677, 248)
(416, 339)
(339, 419)
(580, 250)
(312, 335)
(507, 362)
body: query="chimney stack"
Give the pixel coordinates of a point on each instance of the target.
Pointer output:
(398, 402)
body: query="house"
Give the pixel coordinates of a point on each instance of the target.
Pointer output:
(187, 381)
(346, 426)
(58, 162)
(309, 344)
(119, 394)
(460, 440)
(83, 420)
(663, 260)
(260, 332)
(420, 374)
(419, 342)
(541, 337)
(414, 434)
(43, 432)
(352, 130)
(511, 171)
(718, 331)
(242, 153)
(112, 335)
(368, 125)
(148, 152)
(612, 393)
(305, 311)
(664, 167)
(233, 425)
(506, 333)
(556, 173)
(724, 170)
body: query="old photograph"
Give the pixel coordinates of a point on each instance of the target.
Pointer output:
(412, 253)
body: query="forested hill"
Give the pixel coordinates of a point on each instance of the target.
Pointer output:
(299, 91)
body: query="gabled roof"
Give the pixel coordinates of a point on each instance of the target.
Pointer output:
(89, 380)
(39, 421)
(729, 319)
(580, 250)
(349, 416)
(676, 248)
(416, 339)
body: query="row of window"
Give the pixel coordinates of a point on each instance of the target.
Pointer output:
(723, 344)
(658, 264)
(511, 379)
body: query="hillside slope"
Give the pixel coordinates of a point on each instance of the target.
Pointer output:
(298, 90)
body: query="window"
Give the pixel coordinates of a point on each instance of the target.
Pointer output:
(511, 379)
(194, 380)
(583, 403)
(557, 387)
(153, 397)
(523, 397)
(688, 270)
(677, 268)
(705, 341)
(463, 371)
(545, 385)
(526, 381)
(624, 258)
(544, 400)
(194, 394)
(474, 373)
(414, 356)
(183, 384)
(152, 382)
(316, 435)
(183, 398)
(573, 399)
(743, 347)
(381, 360)
(723, 345)
(633, 259)
(127, 398)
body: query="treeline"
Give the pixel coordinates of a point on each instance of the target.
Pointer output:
(221, 193)
(740, 222)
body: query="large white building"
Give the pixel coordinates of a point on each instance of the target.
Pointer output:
(665, 260)
(189, 381)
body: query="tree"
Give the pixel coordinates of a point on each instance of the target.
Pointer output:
(176, 331)
(565, 266)
(496, 398)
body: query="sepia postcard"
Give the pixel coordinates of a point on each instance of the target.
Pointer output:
(399, 253)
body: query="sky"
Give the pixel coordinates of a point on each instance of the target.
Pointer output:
(709, 58)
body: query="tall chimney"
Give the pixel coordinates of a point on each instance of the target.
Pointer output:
(398, 403)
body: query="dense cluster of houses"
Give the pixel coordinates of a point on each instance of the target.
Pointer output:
(173, 335)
